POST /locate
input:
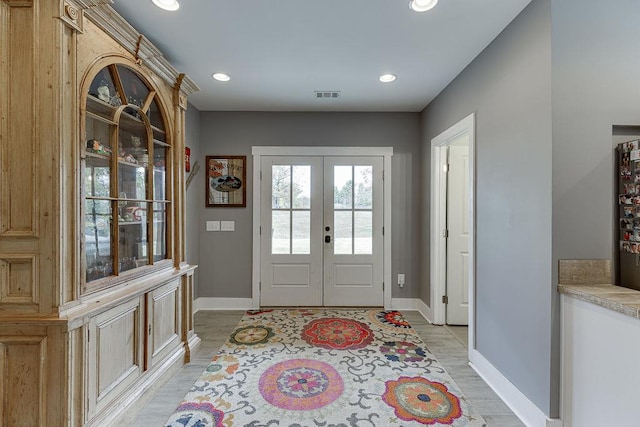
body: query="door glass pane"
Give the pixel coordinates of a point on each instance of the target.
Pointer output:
(343, 187)
(342, 232)
(281, 186)
(301, 232)
(363, 233)
(301, 184)
(363, 190)
(280, 232)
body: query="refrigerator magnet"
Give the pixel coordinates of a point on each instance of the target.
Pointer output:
(625, 247)
(633, 247)
(635, 155)
(629, 212)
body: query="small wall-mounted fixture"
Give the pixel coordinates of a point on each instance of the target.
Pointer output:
(170, 5)
(422, 5)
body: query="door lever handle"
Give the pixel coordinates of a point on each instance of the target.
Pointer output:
(327, 239)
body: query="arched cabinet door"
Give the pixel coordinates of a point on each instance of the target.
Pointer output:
(126, 189)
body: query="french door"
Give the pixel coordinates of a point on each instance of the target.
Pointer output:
(321, 231)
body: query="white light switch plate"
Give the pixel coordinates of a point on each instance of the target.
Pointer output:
(213, 225)
(227, 225)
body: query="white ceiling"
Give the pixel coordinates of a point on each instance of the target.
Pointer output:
(278, 52)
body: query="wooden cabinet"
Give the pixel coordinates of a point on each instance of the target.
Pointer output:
(95, 292)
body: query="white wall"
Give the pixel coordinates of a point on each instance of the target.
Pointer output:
(601, 374)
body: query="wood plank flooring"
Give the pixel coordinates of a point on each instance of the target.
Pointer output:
(447, 343)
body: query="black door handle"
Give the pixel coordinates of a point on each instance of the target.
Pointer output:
(327, 239)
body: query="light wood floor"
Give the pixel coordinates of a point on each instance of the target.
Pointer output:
(447, 343)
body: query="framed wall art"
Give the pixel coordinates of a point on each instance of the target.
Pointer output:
(226, 181)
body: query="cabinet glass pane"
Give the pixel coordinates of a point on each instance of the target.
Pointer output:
(103, 88)
(97, 176)
(363, 232)
(133, 237)
(301, 184)
(159, 231)
(159, 172)
(301, 228)
(281, 186)
(134, 88)
(132, 181)
(280, 232)
(342, 187)
(98, 137)
(97, 239)
(155, 117)
(343, 232)
(363, 189)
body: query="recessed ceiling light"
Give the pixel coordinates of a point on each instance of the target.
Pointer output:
(422, 5)
(387, 78)
(221, 77)
(167, 4)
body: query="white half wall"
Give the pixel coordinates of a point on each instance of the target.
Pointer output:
(600, 366)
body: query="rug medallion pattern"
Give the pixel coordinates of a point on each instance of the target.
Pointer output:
(324, 368)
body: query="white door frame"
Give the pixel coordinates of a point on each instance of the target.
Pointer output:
(259, 151)
(439, 220)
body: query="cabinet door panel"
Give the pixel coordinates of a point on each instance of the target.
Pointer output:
(115, 352)
(163, 305)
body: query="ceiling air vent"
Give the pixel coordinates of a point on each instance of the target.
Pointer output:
(327, 93)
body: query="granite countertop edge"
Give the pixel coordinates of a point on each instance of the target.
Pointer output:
(616, 298)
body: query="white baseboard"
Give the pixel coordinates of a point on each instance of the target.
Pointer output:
(412, 304)
(208, 303)
(524, 409)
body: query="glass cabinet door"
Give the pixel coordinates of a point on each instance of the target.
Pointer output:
(126, 153)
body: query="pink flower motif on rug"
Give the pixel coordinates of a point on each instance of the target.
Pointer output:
(421, 400)
(301, 384)
(336, 333)
(199, 414)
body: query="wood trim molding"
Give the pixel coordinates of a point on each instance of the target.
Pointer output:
(19, 3)
(138, 45)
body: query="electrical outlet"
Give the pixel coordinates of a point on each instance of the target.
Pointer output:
(401, 279)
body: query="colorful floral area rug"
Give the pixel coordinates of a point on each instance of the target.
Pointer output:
(324, 368)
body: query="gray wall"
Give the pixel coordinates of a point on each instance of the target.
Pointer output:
(596, 85)
(225, 258)
(509, 88)
(192, 140)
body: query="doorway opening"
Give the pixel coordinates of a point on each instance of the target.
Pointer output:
(453, 226)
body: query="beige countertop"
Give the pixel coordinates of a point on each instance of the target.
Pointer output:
(590, 281)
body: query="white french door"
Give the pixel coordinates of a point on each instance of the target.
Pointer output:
(321, 231)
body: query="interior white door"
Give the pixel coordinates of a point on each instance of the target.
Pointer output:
(321, 231)
(458, 233)
(353, 257)
(291, 231)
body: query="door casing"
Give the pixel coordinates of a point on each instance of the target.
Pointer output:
(438, 222)
(259, 151)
